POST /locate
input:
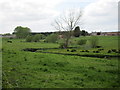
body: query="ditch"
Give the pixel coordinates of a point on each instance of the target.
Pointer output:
(85, 55)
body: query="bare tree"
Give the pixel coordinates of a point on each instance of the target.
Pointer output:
(67, 22)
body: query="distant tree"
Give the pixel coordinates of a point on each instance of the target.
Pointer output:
(84, 33)
(76, 32)
(67, 22)
(98, 33)
(52, 38)
(22, 32)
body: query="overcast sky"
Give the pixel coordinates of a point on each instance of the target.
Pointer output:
(98, 15)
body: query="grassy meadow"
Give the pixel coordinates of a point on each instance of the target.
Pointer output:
(0, 63)
(23, 69)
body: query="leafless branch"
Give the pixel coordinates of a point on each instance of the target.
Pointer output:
(67, 22)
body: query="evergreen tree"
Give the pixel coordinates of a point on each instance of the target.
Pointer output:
(76, 32)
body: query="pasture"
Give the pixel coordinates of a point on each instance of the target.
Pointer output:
(23, 69)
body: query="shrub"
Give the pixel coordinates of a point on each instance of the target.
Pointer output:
(42, 36)
(94, 51)
(73, 50)
(36, 38)
(52, 38)
(94, 41)
(9, 41)
(98, 46)
(97, 51)
(109, 51)
(82, 42)
(67, 49)
(82, 51)
(114, 50)
(62, 45)
(86, 51)
(29, 39)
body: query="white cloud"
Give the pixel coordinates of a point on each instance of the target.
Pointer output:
(101, 15)
(26, 13)
(79, 1)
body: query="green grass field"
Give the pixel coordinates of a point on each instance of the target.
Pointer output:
(43, 70)
(107, 43)
(0, 63)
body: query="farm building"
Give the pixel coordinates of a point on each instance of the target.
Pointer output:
(105, 33)
(8, 36)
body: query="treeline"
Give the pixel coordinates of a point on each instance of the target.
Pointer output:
(52, 37)
(23, 32)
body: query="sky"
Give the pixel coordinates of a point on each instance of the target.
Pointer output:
(38, 15)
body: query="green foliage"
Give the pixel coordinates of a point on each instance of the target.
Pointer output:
(82, 42)
(52, 38)
(41, 36)
(36, 38)
(29, 38)
(76, 32)
(84, 33)
(94, 41)
(21, 32)
(63, 45)
(43, 70)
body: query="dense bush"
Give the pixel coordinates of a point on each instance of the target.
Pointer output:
(9, 41)
(82, 42)
(76, 32)
(62, 45)
(84, 33)
(86, 50)
(29, 38)
(42, 36)
(67, 49)
(114, 50)
(98, 46)
(52, 38)
(94, 41)
(34, 38)
(73, 50)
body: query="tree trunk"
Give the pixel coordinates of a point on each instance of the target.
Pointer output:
(66, 43)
